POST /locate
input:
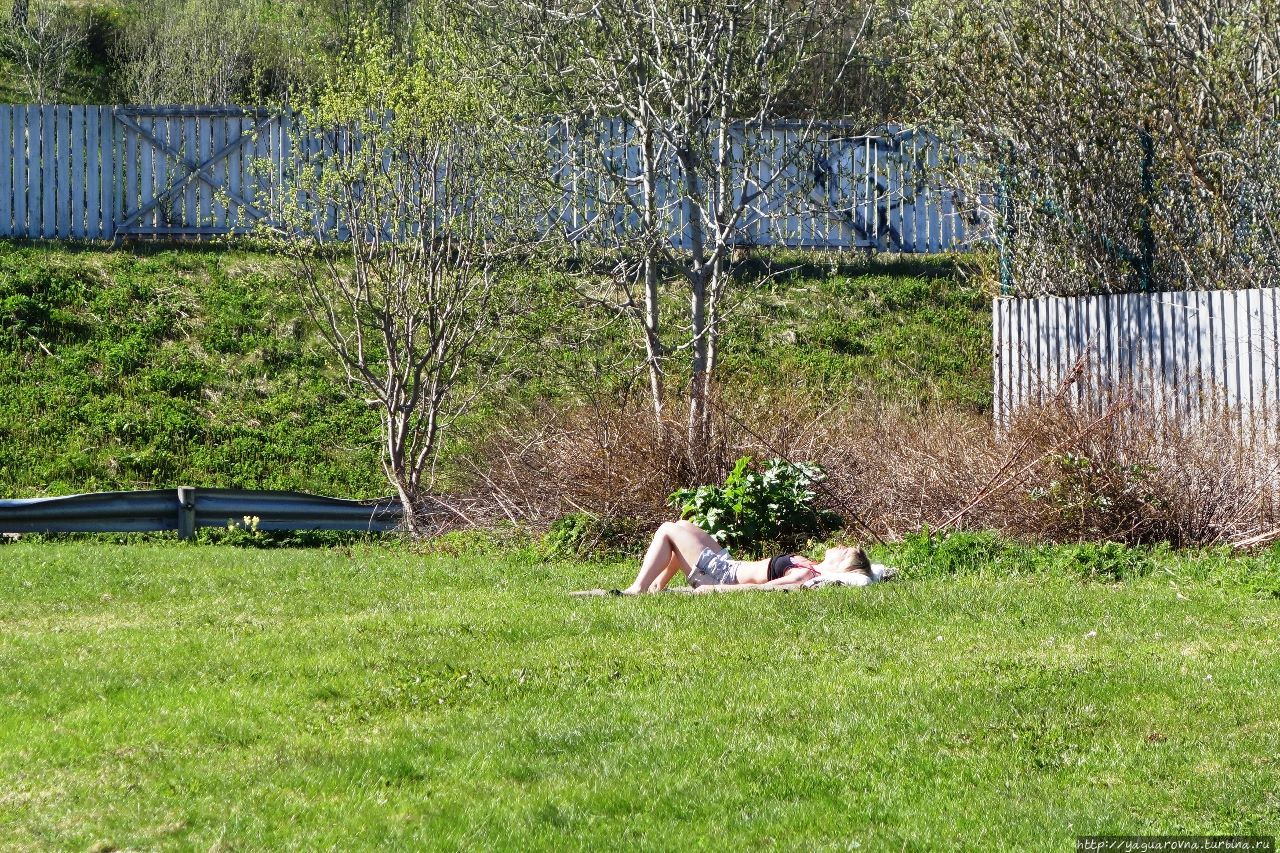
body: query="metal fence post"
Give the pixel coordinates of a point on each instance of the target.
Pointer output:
(1004, 223)
(1146, 236)
(186, 512)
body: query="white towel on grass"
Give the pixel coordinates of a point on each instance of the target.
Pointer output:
(879, 572)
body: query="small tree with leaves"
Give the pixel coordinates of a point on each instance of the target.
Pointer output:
(408, 220)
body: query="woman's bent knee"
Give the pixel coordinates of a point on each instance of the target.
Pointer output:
(665, 529)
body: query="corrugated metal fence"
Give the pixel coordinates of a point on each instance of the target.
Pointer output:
(186, 509)
(1188, 350)
(104, 173)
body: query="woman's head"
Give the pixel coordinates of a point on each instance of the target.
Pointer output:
(843, 559)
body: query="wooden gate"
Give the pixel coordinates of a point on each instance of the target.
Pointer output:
(193, 171)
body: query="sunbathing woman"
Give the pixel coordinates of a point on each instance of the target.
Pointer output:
(682, 546)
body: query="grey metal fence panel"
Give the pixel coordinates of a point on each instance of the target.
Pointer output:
(102, 512)
(1191, 353)
(166, 509)
(293, 511)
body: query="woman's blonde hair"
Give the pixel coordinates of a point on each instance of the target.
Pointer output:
(844, 559)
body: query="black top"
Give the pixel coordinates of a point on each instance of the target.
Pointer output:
(778, 566)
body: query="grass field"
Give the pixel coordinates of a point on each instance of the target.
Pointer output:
(165, 696)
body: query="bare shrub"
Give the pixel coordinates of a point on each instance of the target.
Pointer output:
(608, 458)
(1142, 476)
(1123, 471)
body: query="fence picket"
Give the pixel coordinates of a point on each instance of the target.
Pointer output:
(147, 172)
(132, 201)
(28, 159)
(48, 173)
(6, 172)
(62, 177)
(107, 171)
(76, 204)
(204, 150)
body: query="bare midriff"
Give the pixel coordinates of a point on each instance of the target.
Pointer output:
(753, 571)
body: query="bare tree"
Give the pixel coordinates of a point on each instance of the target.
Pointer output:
(406, 218)
(692, 84)
(1122, 144)
(44, 44)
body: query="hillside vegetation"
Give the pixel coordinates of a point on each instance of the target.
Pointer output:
(122, 370)
(151, 368)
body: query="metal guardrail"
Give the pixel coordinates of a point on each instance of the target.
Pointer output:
(186, 509)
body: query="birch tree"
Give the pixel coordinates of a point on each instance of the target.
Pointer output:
(692, 83)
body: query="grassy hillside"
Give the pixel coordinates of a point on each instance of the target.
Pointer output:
(138, 370)
(147, 368)
(903, 328)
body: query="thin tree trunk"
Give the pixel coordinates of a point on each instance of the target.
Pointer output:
(652, 341)
(652, 331)
(396, 473)
(712, 336)
(698, 416)
(409, 506)
(697, 273)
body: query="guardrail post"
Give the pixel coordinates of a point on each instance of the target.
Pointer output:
(186, 512)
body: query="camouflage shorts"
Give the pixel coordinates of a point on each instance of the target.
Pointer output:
(714, 568)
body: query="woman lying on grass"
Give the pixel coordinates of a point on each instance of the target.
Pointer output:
(682, 546)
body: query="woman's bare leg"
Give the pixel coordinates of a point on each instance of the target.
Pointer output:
(672, 569)
(679, 542)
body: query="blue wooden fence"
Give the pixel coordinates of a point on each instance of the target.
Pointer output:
(108, 173)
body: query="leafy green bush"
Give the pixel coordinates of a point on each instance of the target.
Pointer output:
(582, 534)
(956, 554)
(774, 504)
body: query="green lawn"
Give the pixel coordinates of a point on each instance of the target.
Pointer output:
(156, 696)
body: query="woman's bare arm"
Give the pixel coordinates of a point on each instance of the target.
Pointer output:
(792, 579)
